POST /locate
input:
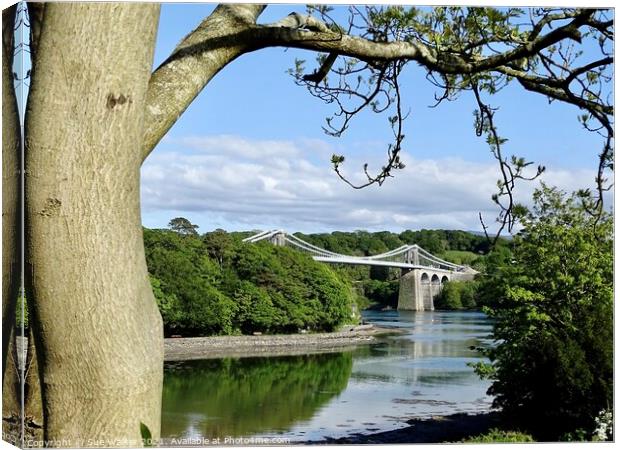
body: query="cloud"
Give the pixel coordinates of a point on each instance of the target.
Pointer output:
(235, 146)
(238, 183)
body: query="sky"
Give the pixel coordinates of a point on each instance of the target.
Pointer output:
(250, 152)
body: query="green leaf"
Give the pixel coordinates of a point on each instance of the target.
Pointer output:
(147, 439)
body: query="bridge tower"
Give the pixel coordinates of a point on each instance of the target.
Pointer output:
(412, 256)
(277, 239)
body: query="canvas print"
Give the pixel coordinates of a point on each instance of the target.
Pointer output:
(285, 224)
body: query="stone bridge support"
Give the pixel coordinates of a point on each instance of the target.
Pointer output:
(419, 287)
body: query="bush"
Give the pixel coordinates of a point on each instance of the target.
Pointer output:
(497, 436)
(552, 368)
(383, 292)
(456, 295)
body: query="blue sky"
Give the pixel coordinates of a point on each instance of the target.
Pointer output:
(249, 153)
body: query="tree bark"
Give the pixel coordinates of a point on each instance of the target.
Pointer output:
(11, 140)
(95, 321)
(10, 187)
(11, 404)
(33, 402)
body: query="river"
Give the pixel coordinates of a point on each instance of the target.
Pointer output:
(375, 387)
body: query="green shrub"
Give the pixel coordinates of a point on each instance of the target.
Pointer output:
(498, 436)
(552, 301)
(382, 292)
(456, 295)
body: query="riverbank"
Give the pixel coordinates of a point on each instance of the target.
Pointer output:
(176, 349)
(437, 429)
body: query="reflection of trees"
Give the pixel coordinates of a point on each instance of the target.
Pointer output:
(436, 358)
(240, 397)
(412, 349)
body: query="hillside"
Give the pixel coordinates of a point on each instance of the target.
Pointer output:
(214, 283)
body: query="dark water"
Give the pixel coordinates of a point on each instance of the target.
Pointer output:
(373, 388)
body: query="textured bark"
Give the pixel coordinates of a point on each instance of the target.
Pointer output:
(307, 32)
(218, 40)
(10, 187)
(33, 402)
(35, 15)
(11, 404)
(96, 324)
(11, 391)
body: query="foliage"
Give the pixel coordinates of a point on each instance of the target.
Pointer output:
(464, 257)
(563, 54)
(442, 243)
(216, 284)
(552, 367)
(382, 292)
(457, 295)
(496, 435)
(183, 226)
(21, 313)
(237, 393)
(604, 426)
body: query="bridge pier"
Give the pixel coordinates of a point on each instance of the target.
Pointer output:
(418, 289)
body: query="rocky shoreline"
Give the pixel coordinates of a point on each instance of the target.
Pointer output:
(434, 430)
(176, 349)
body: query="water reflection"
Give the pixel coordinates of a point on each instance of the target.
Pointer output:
(419, 373)
(240, 397)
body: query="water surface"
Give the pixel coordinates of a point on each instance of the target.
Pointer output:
(373, 388)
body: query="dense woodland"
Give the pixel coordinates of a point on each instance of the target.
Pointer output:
(216, 284)
(74, 198)
(549, 291)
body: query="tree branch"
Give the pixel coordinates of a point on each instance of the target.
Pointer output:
(301, 36)
(553, 88)
(219, 39)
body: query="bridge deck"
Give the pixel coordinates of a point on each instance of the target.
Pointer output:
(374, 262)
(405, 252)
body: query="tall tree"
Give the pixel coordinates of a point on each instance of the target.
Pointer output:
(183, 226)
(552, 301)
(11, 248)
(97, 329)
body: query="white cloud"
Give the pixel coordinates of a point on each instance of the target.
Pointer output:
(237, 183)
(235, 146)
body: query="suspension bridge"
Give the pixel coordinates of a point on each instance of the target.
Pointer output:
(422, 273)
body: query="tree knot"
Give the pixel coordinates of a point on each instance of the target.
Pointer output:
(112, 100)
(51, 208)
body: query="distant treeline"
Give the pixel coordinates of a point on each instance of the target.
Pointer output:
(216, 284)
(365, 243)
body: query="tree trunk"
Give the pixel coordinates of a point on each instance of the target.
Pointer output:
(11, 139)
(95, 321)
(10, 187)
(33, 404)
(11, 394)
